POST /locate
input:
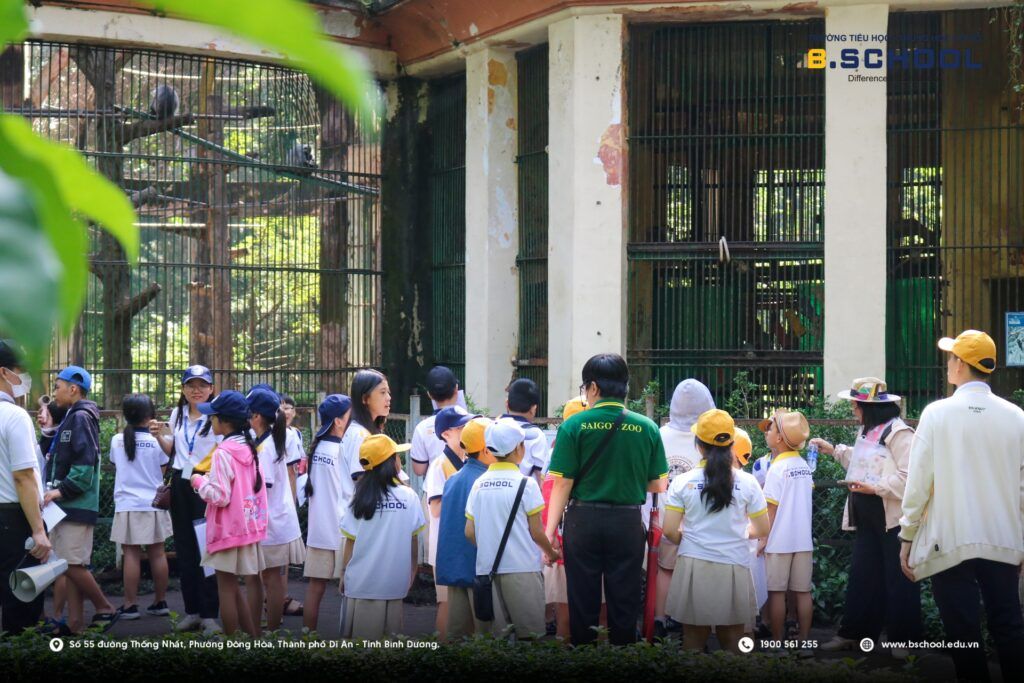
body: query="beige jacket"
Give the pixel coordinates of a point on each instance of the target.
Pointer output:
(894, 481)
(964, 497)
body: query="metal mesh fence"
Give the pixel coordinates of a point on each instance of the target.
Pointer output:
(725, 253)
(955, 198)
(258, 209)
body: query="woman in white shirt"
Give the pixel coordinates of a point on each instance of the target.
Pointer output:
(139, 461)
(187, 439)
(720, 508)
(371, 405)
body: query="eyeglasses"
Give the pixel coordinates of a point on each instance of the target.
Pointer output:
(583, 392)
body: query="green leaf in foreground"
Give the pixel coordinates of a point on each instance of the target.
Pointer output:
(30, 273)
(292, 28)
(13, 24)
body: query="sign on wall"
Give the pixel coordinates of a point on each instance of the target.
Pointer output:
(1015, 340)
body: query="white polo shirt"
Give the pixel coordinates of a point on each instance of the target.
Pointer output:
(327, 471)
(716, 536)
(136, 481)
(189, 443)
(283, 519)
(425, 444)
(293, 446)
(489, 505)
(18, 448)
(354, 437)
(381, 564)
(439, 471)
(790, 485)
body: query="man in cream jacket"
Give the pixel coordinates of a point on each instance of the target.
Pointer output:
(963, 509)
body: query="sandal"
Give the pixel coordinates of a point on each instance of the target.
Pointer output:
(292, 607)
(105, 620)
(52, 627)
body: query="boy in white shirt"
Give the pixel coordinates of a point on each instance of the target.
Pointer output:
(443, 389)
(788, 488)
(518, 586)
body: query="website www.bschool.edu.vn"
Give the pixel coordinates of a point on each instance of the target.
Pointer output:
(867, 645)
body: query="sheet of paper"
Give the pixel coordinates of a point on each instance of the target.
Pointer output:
(52, 514)
(186, 470)
(200, 526)
(460, 401)
(300, 488)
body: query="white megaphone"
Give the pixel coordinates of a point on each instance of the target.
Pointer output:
(29, 582)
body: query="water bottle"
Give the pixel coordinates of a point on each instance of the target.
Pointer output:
(812, 457)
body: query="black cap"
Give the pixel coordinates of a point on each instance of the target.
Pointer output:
(10, 356)
(441, 383)
(523, 394)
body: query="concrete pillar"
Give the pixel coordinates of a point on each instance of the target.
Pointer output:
(492, 233)
(586, 232)
(855, 205)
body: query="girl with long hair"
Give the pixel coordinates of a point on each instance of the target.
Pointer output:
(711, 513)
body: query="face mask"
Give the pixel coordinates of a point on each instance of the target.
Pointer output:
(23, 389)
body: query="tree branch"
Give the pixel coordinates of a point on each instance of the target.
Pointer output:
(131, 308)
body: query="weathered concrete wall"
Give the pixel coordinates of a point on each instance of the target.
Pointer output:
(492, 231)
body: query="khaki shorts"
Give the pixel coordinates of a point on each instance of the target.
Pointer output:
(789, 571)
(555, 589)
(462, 622)
(667, 554)
(141, 528)
(370, 619)
(72, 541)
(524, 598)
(246, 560)
(441, 593)
(284, 554)
(322, 564)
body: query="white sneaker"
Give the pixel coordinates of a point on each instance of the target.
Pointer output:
(211, 627)
(190, 623)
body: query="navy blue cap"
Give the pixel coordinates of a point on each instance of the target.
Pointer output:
(263, 401)
(76, 375)
(229, 404)
(263, 385)
(441, 382)
(197, 372)
(332, 407)
(450, 418)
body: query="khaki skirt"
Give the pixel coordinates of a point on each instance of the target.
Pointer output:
(706, 593)
(284, 554)
(141, 528)
(246, 560)
(322, 564)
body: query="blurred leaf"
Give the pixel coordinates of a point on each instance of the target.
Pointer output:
(292, 28)
(20, 157)
(13, 24)
(30, 273)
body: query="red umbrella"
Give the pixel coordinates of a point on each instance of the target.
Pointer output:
(653, 541)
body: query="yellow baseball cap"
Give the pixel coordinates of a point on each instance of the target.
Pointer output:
(715, 427)
(741, 446)
(377, 448)
(572, 407)
(472, 438)
(974, 348)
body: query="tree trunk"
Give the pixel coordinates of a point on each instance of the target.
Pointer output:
(337, 130)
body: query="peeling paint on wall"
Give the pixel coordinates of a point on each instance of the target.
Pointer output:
(497, 73)
(609, 154)
(391, 101)
(510, 124)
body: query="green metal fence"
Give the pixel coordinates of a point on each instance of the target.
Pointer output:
(532, 259)
(726, 197)
(955, 199)
(446, 119)
(258, 209)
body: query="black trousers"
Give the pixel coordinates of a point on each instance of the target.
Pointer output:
(14, 529)
(878, 594)
(957, 596)
(199, 592)
(603, 544)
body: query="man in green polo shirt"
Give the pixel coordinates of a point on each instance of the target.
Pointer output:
(603, 532)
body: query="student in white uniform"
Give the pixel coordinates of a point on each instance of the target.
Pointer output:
(139, 464)
(371, 405)
(448, 427)
(689, 401)
(720, 508)
(521, 405)
(788, 488)
(380, 558)
(293, 445)
(325, 486)
(443, 389)
(283, 545)
(518, 586)
(188, 439)
(742, 448)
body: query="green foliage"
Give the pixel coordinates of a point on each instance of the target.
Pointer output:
(483, 658)
(1018, 397)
